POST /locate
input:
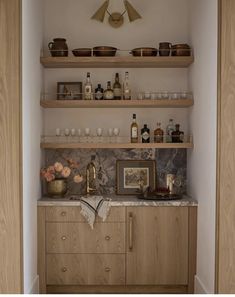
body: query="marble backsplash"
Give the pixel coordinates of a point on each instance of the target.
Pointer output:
(167, 161)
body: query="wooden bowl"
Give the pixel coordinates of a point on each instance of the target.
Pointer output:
(82, 52)
(104, 51)
(144, 52)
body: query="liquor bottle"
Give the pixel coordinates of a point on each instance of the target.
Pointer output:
(88, 91)
(145, 134)
(126, 88)
(108, 93)
(134, 130)
(99, 93)
(177, 135)
(117, 88)
(169, 129)
(158, 134)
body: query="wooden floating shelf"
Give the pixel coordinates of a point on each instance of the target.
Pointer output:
(116, 145)
(117, 62)
(179, 103)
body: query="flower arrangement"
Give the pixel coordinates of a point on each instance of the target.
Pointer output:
(59, 171)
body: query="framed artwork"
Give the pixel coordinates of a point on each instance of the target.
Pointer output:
(69, 91)
(131, 174)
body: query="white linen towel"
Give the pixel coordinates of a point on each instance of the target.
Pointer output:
(93, 206)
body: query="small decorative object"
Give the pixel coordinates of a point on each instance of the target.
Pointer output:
(57, 175)
(69, 90)
(58, 47)
(116, 19)
(164, 49)
(135, 175)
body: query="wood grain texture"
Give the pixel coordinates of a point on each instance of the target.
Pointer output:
(192, 247)
(80, 145)
(117, 62)
(73, 214)
(173, 103)
(226, 152)
(11, 272)
(42, 249)
(80, 238)
(160, 246)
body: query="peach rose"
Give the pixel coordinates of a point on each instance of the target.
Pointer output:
(78, 179)
(66, 172)
(58, 167)
(51, 169)
(49, 177)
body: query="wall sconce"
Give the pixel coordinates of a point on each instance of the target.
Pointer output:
(116, 19)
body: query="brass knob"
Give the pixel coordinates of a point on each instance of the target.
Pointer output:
(107, 269)
(107, 238)
(64, 269)
(63, 213)
(63, 238)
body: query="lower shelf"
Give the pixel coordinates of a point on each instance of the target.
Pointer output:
(52, 145)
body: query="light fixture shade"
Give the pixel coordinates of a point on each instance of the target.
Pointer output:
(131, 11)
(100, 13)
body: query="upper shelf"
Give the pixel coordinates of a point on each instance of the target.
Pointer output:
(117, 62)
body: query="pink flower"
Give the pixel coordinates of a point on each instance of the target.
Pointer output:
(51, 169)
(58, 167)
(78, 179)
(49, 177)
(66, 172)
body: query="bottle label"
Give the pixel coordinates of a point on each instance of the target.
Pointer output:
(117, 92)
(108, 95)
(98, 95)
(134, 132)
(145, 135)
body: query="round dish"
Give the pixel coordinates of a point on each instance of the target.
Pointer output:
(82, 52)
(104, 51)
(144, 52)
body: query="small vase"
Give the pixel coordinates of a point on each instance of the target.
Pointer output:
(58, 47)
(57, 188)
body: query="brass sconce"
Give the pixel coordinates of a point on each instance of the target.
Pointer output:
(116, 19)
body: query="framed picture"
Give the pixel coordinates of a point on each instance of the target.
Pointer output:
(69, 91)
(131, 174)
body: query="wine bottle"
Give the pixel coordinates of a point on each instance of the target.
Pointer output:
(88, 91)
(117, 88)
(126, 88)
(134, 130)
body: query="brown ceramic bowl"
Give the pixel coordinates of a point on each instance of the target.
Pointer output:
(144, 52)
(104, 51)
(82, 52)
(181, 50)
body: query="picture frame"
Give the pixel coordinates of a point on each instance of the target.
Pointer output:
(69, 90)
(131, 173)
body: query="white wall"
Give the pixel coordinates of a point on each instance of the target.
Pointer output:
(163, 20)
(31, 87)
(202, 160)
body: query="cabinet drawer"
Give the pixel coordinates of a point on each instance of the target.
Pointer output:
(72, 214)
(79, 238)
(85, 269)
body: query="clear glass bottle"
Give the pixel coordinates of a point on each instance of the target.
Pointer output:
(99, 93)
(88, 91)
(169, 129)
(117, 88)
(108, 93)
(158, 134)
(145, 134)
(126, 87)
(177, 135)
(134, 130)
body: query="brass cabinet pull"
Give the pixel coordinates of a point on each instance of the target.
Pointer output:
(130, 231)
(63, 213)
(64, 269)
(63, 238)
(107, 238)
(107, 269)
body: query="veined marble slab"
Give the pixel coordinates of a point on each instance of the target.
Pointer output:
(120, 201)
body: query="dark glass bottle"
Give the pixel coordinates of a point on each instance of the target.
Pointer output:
(177, 135)
(145, 134)
(99, 93)
(117, 88)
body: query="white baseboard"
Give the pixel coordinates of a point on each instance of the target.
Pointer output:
(35, 286)
(199, 287)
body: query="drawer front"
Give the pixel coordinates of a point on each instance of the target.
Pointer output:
(72, 214)
(80, 238)
(85, 269)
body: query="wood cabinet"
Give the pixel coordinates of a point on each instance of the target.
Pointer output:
(138, 249)
(157, 251)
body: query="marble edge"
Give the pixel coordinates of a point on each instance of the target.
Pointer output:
(120, 201)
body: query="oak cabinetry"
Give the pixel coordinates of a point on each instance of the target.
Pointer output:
(157, 251)
(138, 249)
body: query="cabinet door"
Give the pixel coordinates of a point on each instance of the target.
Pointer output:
(157, 246)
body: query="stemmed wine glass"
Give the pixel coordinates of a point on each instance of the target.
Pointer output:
(87, 133)
(116, 132)
(99, 132)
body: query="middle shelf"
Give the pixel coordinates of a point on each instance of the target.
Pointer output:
(173, 103)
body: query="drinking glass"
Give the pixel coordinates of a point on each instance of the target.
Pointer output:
(110, 134)
(87, 134)
(79, 132)
(116, 132)
(99, 132)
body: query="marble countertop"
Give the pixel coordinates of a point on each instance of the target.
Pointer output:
(120, 201)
